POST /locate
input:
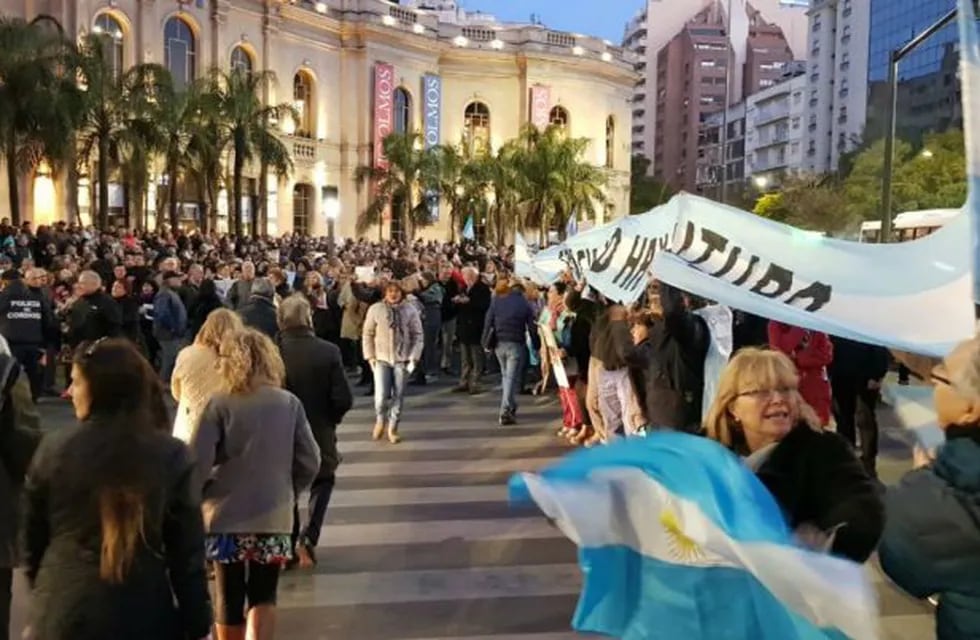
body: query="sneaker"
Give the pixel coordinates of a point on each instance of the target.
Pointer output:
(461, 388)
(507, 420)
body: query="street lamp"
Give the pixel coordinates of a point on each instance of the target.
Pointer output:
(761, 182)
(331, 211)
(927, 154)
(886, 179)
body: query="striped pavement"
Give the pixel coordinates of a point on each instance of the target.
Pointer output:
(420, 543)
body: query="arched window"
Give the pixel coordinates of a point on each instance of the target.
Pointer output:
(403, 111)
(303, 103)
(558, 117)
(610, 141)
(241, 60)
(476, 122)
(112, 35)
(179, 51)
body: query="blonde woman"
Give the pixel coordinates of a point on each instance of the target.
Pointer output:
(255, 454)
(824, 491)
(195, 379)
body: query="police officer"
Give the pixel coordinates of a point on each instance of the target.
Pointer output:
(27, 322)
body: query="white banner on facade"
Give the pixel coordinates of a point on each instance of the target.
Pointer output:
(914, 296)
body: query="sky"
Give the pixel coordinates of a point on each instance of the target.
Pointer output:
(601, 18)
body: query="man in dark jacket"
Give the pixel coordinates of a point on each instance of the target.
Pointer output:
(471, 308)
(509, 321)
(260, 312)
(450, 289)
(94, 315)
(28, 323)
(169, 323)
(855, 378)
(315, 375)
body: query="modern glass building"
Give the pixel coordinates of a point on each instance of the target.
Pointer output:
(929, 87)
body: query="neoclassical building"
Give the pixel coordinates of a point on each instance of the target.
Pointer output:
(355, 70)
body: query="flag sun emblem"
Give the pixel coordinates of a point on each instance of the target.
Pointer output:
(679, 544)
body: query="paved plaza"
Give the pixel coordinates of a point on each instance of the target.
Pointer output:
(420, 542)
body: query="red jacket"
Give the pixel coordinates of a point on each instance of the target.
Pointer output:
(811, 352)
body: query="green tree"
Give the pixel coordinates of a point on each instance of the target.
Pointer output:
(554, 180)
(401, 184)
(646, 192)
(929, 177)
(240, 111)
(807, 202)
(40, 104)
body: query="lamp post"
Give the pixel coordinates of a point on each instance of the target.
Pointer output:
(889, 168)
(331, 210)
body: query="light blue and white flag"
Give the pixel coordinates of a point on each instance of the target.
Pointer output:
(469, 231)
(678, 539)
(571, 229)
(970, 78)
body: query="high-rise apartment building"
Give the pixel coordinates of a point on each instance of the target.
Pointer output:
(691, 78)
(837, 87)
(658, 23)
(929, 97)
(765, 138)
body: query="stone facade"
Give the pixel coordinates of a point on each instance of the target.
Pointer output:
(324, 54)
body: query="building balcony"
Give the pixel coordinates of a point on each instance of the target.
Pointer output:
(303, 150)
(764, 116)
(465, 30)
(781, 137)
(770, 164)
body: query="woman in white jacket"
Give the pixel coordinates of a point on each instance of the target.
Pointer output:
(393, 342)
(195, 379)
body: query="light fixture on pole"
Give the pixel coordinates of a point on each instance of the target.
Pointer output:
(331, 211)
(889, 168)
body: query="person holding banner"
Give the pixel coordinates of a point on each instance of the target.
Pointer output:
(811, 352)
(826, 494)
(931, 543)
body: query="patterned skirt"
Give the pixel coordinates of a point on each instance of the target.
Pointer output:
(240, 547)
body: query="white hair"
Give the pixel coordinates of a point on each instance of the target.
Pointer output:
(966, 377)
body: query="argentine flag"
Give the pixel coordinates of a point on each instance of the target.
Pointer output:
(678, 540)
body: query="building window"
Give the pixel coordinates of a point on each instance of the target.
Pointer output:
(179, 51)
(241, 60)
(610, 141)
(112, 35)
(302, 208)
(403, 111)
(558, 117)
(476, 123)
(303, 103)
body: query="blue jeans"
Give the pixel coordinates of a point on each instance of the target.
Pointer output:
(389, 388)
(513, 360)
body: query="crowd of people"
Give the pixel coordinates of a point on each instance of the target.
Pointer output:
(261, 344)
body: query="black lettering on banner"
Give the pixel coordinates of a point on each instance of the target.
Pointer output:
(730, 263)
(715, 242)
(688, 238)
(783, 279)
(742, 279)
(605, 259)
(637, 266)
(817, 293)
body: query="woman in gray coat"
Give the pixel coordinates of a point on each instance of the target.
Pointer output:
(255, 455)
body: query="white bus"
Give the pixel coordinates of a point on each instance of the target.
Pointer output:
(909, 226)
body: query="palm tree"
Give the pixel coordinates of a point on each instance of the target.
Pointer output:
(246, 121)
(205, 152)
(553, 179)
(410, 170)
(106, 115)
(40, 103)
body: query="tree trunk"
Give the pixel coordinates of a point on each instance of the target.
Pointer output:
(239, 167)
(174, 220)
(103, 218)
(13, 188)
(126, 201)
(262, 211)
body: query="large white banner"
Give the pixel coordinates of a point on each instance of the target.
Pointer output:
(914, 296)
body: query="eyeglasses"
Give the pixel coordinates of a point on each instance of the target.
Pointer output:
(940, 378)
(760, 394)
